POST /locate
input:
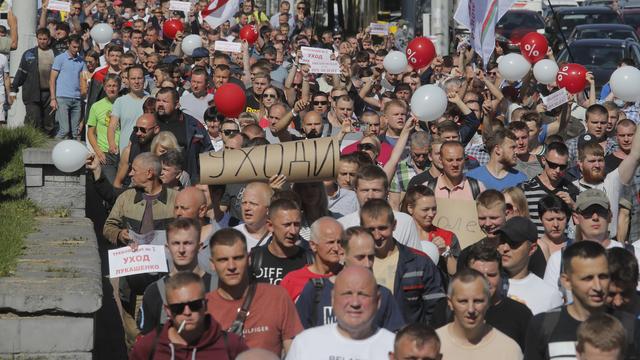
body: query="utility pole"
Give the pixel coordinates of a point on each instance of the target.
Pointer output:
(26, 12)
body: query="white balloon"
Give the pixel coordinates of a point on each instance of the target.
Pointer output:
(431, 250)
(429, 102)
(69, 155)
(625, 83)
(513, 67)
(190, 43)
(395, 62)
(545, 71)
(102, 33)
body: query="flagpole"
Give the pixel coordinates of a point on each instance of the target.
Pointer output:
(564, 39)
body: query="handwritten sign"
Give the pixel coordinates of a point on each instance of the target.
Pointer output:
(184, 6)
(228, 46)
(324, 67)
(379, 29)
(146, 259)
(57, 5)
(556, 99)
(459, 217)
(299, 161)
(311, 54)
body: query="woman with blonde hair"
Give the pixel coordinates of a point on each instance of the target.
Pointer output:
(163, 142)
(516, 202)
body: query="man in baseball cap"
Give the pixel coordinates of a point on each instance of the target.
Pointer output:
(518, 242)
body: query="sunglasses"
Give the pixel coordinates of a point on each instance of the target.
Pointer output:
(301, 7)
(230, 132)
(194, 305)
(366, 147)
(553, 165)
(141, 129)
(318, 103)
(588, 212)
(273, 96)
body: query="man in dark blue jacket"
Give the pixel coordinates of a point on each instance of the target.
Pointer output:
(410, 274)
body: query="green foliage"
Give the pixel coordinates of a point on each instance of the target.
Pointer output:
(12, 142)
(17, 220)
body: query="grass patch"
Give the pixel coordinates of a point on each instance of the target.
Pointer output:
(12, 142)
(17, 221)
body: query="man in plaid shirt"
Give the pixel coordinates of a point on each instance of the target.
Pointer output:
(415, 163)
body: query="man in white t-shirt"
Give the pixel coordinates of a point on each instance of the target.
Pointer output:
(255, 202)
(355, 301)
(196, 102)
(372, 183)
(518, 241)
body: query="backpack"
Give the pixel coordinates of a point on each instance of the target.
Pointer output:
(473, 183)
(318, 285)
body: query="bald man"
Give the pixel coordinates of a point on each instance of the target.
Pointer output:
(192, 204)
(326, 234)
(312, 125)
(143, 133)
(355, 336)
(254, 204)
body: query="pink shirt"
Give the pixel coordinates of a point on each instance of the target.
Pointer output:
(460, 192)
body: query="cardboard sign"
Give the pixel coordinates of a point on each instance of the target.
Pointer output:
(299, 161)
(184, 6)
(311, 54)
(556, 99)
(57, 5)
(146, 259)
(461, 218)
(228, 46)
(379, 29)
(324, 67)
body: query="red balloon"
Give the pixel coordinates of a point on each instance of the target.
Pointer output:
(249, 33)
(572, 77)
(533, 47)
(128, 24)
(230, 100)
(420, 52)
(171, 27)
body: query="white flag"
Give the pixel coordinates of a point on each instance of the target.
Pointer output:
(481, 17)
(219, 11)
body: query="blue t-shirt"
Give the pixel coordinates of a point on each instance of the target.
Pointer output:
(69, 69)
(389, 315)
(513, 178)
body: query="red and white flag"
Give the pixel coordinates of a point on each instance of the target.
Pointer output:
(219, 11)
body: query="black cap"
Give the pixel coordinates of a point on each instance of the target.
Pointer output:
(519, 229)
(585, 139)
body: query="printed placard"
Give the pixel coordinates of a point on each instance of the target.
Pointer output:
(311, 54)
(556, 99)
(228, 46)
(146, 259)
(379, 29)
(184, 6)
(324, 67)
(57, 5)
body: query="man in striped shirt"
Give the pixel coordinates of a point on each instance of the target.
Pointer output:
(550, 181)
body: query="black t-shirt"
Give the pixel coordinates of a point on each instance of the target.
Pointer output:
(419, 179)
(611, 162)
(176, 124)
(537, 263)
(551, 339)
(271, 269)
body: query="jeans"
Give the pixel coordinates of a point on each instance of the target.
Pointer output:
(110, 168)
(39, 114)
(68, 111)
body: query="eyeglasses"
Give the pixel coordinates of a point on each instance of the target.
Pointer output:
(230, 132)
(492, 73)
(141, 9)
(301, 7)
(553, 165)
(366, 147)
(273, 96)
(319, 103)
(418, 155)
(141, 129)
(194, 305)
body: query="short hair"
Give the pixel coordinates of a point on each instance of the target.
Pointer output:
(282, 205)
(413, 194)
(418, 333)
(135, 67)
(625, 123)
(532, 116)
(467, 276)
(596, 109)
(585, 249)
(112, 77)
(169, 90)
(183, 223)
(448, 126)
(315, 228)
(519, 200)
(371, 173)
(497, 138)
(623, 268)
(602, 331)
(490, 198)
(552, 202)
(610, 106)
(262, 74)
(150, 161)
(75, 39)
(559, 147)
(227, 237)
(183, 279)
(350, 233)
(43, 31)
(212, 114)
(518, 126)
(483, 252)
(173, 157)
(590, 148)
(394, 102)
(200, 71)
(222, 67)
(345, 98)
(376, 209)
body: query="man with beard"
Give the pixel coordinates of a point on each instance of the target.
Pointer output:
(499, 173)
(191, 134)
(145, 130)
(311, 124)
(591, 165)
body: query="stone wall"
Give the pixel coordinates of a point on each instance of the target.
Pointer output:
(48, 187)
(47, 309)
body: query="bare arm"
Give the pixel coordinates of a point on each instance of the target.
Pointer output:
(13, 26)
(42, 22)
(366, 88)
(246, 64)
(628, 166)
(123, 168)
(592, 89)
(52, 87)
(623, 224)
(114, 124)
(390, 167)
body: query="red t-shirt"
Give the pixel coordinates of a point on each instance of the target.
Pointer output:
(272, 317)
(296, 280)
(445, 234)
(383, 157)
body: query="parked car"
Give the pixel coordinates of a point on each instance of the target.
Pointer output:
(517, 23)
(600, 56)
(631, 17)
(604, 31)
(569, 18)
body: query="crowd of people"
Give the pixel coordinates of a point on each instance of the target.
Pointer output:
(338, 268)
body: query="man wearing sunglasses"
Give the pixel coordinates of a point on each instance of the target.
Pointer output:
(551, 181)
(190, 331)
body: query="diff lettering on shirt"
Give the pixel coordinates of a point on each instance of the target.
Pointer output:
(274, 274)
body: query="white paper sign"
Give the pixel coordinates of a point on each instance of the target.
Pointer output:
(228, 46)
(184, 6)
(324, 67)
(379, 29)
(146, 259)
(311, 54)
(556, 99)
(57, 5)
